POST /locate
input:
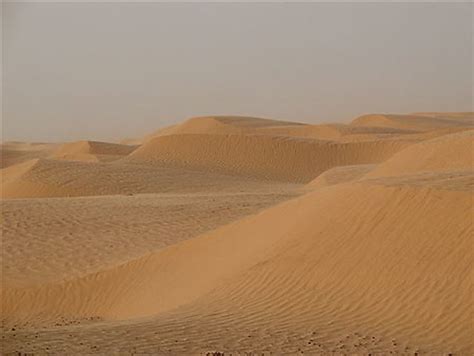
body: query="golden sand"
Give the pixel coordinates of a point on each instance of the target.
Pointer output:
(243, 235)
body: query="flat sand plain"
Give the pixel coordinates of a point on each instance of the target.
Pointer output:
(244, 236)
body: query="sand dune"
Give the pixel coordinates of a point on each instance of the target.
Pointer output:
(92, 151)
(224, 249)
(412, 122)
(342, 174)
(337, 132)
(223, 125)
(399, 277)
(227, 125)
(83, 230)
(17, 152)
(56, 178)
(366, 128)
(277, 158)
(446, 153)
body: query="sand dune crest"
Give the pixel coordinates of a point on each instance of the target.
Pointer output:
(452, 152)
(92, 151)
(276, 158)
(342, 174)
(45, 178)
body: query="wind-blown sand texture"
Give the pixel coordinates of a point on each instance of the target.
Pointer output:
(246, 236)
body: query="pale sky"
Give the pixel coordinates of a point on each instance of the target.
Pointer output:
(112, 70)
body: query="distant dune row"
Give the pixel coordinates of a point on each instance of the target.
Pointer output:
(245, 235)
(248, 147)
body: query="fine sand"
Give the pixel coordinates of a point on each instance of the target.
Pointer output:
(243, 236)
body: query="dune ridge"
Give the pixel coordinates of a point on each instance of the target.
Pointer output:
(232, 125)
(223, 125)
(277, 158)
(337, 132)
(94, 151)
(45, 178)
(446, 153)
(83, 229)
(341, 174)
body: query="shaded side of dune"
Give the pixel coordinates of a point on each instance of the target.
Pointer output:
(94, 151)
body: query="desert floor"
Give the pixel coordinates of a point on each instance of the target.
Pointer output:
(243, 236)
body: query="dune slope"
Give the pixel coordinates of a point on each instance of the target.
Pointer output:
(223, 125)
(452, 152)
(276, 158)
(45, 178)
(92, 151)
(101, 232)
(12, 153)
(231, 125)
(342, 174)
(401, 276)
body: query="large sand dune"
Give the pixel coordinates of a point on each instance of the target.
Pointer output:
(57, 178)
(83, 229)
(397, 278)
(224, 125)
(277, 158)
(228, 125)
(231, 251)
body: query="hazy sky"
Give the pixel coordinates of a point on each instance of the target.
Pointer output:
(111, 70)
